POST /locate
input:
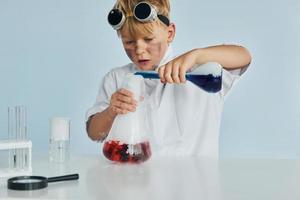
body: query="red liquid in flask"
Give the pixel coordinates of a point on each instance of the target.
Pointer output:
(126, 153)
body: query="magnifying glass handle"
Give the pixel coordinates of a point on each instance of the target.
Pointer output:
(63, 178)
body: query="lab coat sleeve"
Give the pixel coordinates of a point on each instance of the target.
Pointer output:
(106, 89)
(229, 80)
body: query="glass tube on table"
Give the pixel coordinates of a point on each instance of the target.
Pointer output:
(17, 130)
(12, 136)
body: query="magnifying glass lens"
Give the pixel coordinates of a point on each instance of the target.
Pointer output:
(27, 181)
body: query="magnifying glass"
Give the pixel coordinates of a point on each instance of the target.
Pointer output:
(36, 182)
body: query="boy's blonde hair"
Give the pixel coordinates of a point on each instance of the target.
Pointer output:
(132, 26)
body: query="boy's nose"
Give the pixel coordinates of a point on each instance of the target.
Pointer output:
(140, 47)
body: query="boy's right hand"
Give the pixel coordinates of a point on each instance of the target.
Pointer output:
(122, 102)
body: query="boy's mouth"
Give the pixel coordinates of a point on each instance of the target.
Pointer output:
(143, 61)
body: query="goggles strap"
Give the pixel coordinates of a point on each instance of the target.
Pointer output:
(164, 19)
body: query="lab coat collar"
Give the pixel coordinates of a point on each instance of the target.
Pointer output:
(167, 57)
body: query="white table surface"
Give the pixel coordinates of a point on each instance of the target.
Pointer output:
(166, 178)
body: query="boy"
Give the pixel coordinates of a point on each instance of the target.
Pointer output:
(185, 119)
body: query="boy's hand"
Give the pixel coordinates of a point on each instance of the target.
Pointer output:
(175, 70)
(121, 102)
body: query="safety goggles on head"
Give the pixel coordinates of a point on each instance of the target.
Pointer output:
(143, 12)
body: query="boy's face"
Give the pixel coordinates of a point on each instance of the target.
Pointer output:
(146, 51)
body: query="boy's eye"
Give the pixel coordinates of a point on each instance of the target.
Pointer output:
(148, 39)
(129, 42)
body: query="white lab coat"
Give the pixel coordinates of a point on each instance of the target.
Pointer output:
(184, 119)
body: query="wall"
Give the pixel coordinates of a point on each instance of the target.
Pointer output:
(53, 55)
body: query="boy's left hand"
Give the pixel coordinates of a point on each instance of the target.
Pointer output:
(175, 70)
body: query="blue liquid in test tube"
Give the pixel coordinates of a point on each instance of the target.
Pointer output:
(207, 76)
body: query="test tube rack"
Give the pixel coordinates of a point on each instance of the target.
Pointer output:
(21, 145)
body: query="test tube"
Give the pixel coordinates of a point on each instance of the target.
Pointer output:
(25, 134)
(12, 136)
(22, 133)
(17, 130)
(18, 136)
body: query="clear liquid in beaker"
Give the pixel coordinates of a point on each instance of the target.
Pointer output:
(59, 151)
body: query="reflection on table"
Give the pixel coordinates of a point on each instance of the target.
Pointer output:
(166, 178)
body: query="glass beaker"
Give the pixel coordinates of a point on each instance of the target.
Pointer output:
(127, 141)
(59, 147)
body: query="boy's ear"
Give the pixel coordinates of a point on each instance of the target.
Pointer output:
(171, 32)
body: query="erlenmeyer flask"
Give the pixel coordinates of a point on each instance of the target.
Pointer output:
(127, 141)
(207, 76)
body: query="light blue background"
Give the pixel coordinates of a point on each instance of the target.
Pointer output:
(53, 54)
